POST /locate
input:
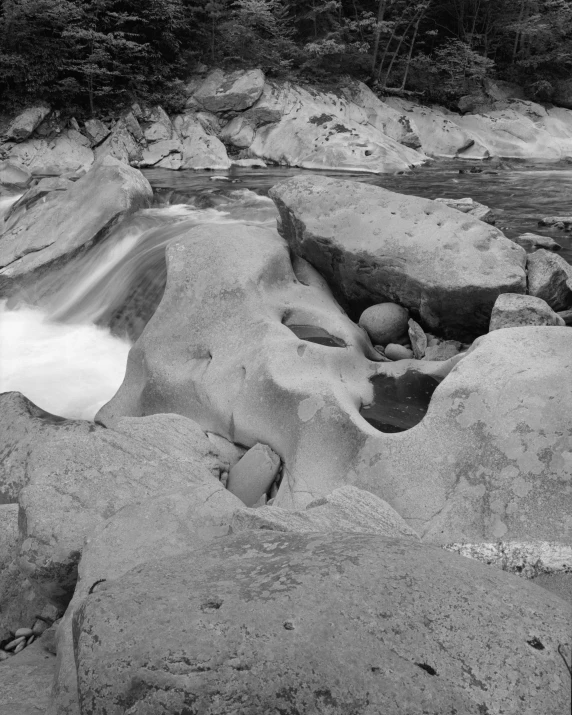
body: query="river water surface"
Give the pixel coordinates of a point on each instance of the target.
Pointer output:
(68, 353)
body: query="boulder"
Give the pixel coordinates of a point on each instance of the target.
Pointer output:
(19, 601)
(398, 352)
(157, 126)
(385, 323)
(439, 133)
(249, 163)
(564, 222)
(229, 91)
(125, 142)
(157, 527)
(374, 245)
(381, 116)
(264, 622)
(14, 176)
(26, 681)
(532, 242)
(253, 475)
(96, 131)
(346, 509)
(550, 278)
(23, 426)
(39, 190)
(471, 207)
(200, 150)
(76, 482)
(512, 310)
(167, 149)
(70, 151)
(66, 224)
(25, 123)
(317, 130)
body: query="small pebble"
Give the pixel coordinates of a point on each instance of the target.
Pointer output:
(23, 632)
(14, 644)
(30, 640)
(20, 647)
(4, 655)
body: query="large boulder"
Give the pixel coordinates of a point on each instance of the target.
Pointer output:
(77, 481)
(26, 122)
(315, 130)
(199, 149)
(338, 623)
(157, 527)
(438, 132)
(70, 151)
(66, 224)
(374, 245)
(14, 176)
(228, 91)
(513, 310)
(550, 278)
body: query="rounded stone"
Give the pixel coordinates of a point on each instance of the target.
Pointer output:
(385, 323)
(398, 352)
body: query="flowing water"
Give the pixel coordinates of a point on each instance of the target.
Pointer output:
(67, 352)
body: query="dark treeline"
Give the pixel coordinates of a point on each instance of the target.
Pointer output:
(86, 55)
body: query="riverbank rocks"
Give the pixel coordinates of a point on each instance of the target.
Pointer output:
(26, 122)
(315, 130)
(374, 245)
(200, 150)
(550, 278)
(68, 152)
(14, 176)
(385, 323)
(75, 482)
(253, 624)
(67, 223)
(228, 91)
(513, 310)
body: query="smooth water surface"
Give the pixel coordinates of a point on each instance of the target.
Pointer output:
(67, 352)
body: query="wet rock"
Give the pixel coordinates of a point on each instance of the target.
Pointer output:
(513, 310)
(471, 207)
(76, 482)
(323, 645)
(96, 131)
(346, 509)
(26, 122)
(550, 278)
(418, 339)
(200, 149)
(398, 352)
(252, 476)
(249, 163)
(374, 245)
(168, 149)
(558, 221)
(385, 323)
(68, 223)
(532, 242)
(229, 91)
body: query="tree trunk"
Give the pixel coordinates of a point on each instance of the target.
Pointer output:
(396, 53)
(380, 16)
(410, 55)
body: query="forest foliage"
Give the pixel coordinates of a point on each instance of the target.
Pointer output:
(90, 55)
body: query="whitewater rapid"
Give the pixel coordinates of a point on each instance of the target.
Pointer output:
(67, 352)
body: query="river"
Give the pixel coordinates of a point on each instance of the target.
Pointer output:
(68, 355)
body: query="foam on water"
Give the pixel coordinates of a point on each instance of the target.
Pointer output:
(69, 370)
